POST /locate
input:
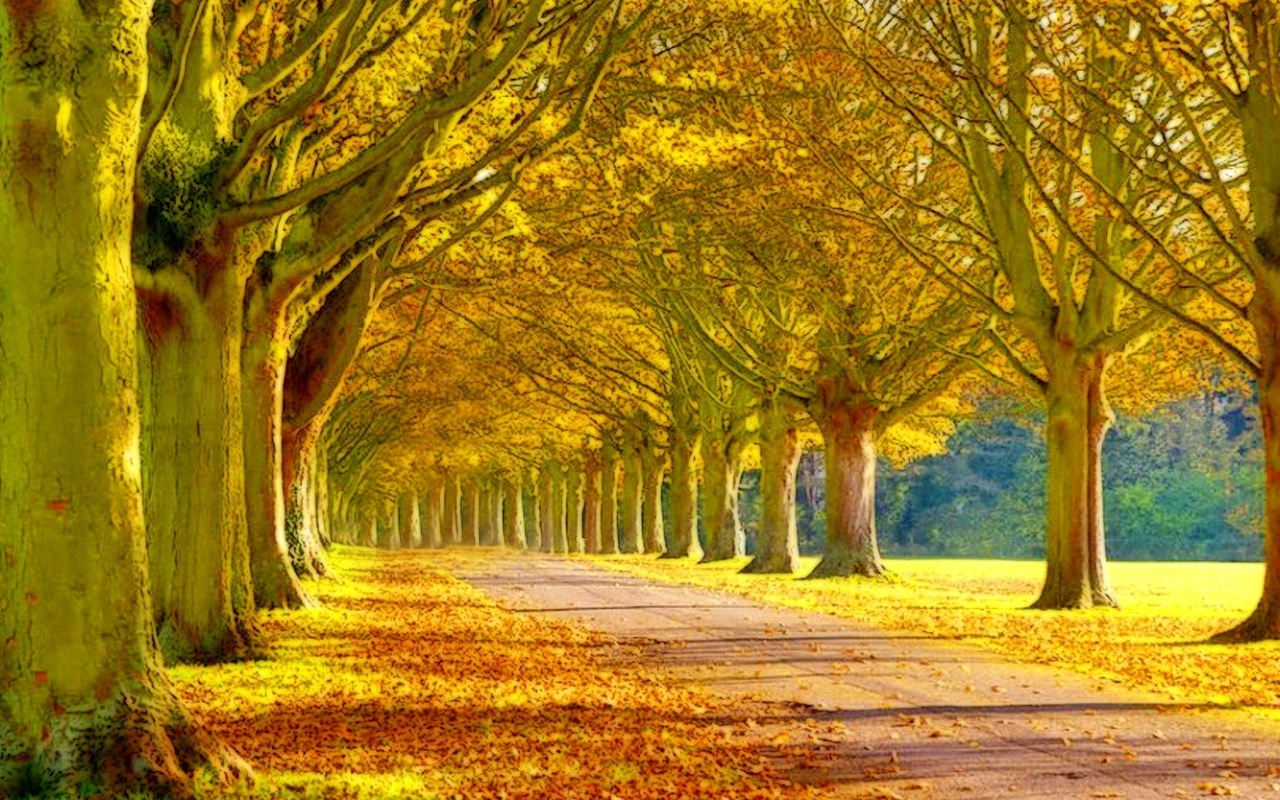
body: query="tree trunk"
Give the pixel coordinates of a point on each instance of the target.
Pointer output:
(1073, 438)
(1101, 418)
(471, 514)
(324, 504)
(720, 475)
(546, 513)
(533, 517)
(193, 476)
(632, 530)
(574, 502)
(369, 529)
(388, 528)
(513, 533)
(484, 513)
(433, 515)
(275, 581)
(683, 541)
(591, 503)
(298, 482)
(849, 436)
(777, 545)
(609, 501)
(653, 464)
(86, 707)
(410, 523)
(559, 510)
(451, 518)
(494, 509)
(1264, 314)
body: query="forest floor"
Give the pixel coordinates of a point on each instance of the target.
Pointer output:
(410, 683)
(909, 707)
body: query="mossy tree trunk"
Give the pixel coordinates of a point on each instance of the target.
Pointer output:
(85, 704)
(609, 500)
(193, 475)
(683, 539)
(777, 545)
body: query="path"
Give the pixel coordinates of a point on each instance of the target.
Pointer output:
(922, 717)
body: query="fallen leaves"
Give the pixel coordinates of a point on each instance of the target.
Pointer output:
(410, 683)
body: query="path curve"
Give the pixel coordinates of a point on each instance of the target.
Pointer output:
(904, 712)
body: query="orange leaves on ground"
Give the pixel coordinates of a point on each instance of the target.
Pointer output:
(412, 684)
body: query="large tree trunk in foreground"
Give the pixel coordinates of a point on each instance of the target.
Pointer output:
(513, 533)
(193, 475)
(609, 501)
(591, 503)
(849, 435)
(683, 538)
(275, 581)
(1073, 436)
(720, 476)
(777, 545)
(574, 504)
(298, 482)
(653, 463)
(85, 705)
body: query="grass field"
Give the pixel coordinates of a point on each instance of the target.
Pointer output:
(1155, 641)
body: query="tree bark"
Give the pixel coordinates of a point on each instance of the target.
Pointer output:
(575, 503)
(369, 529)
(533, 517)
(609, 501)
(85, 707)
(451, 517)
(1074, 430)
(410, 524)
(193, 476)
(1264, 314)
(389, 526)
(849, 436)
(559, 509)
(631, 533)
(777, 545)
(720, 475)
(591, 503)
(513, 533)
(471, 511)
(546, 510)
(653, 464)
(683, 542)
(433, 515)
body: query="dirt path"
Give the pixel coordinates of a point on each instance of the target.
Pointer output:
(914, 716)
